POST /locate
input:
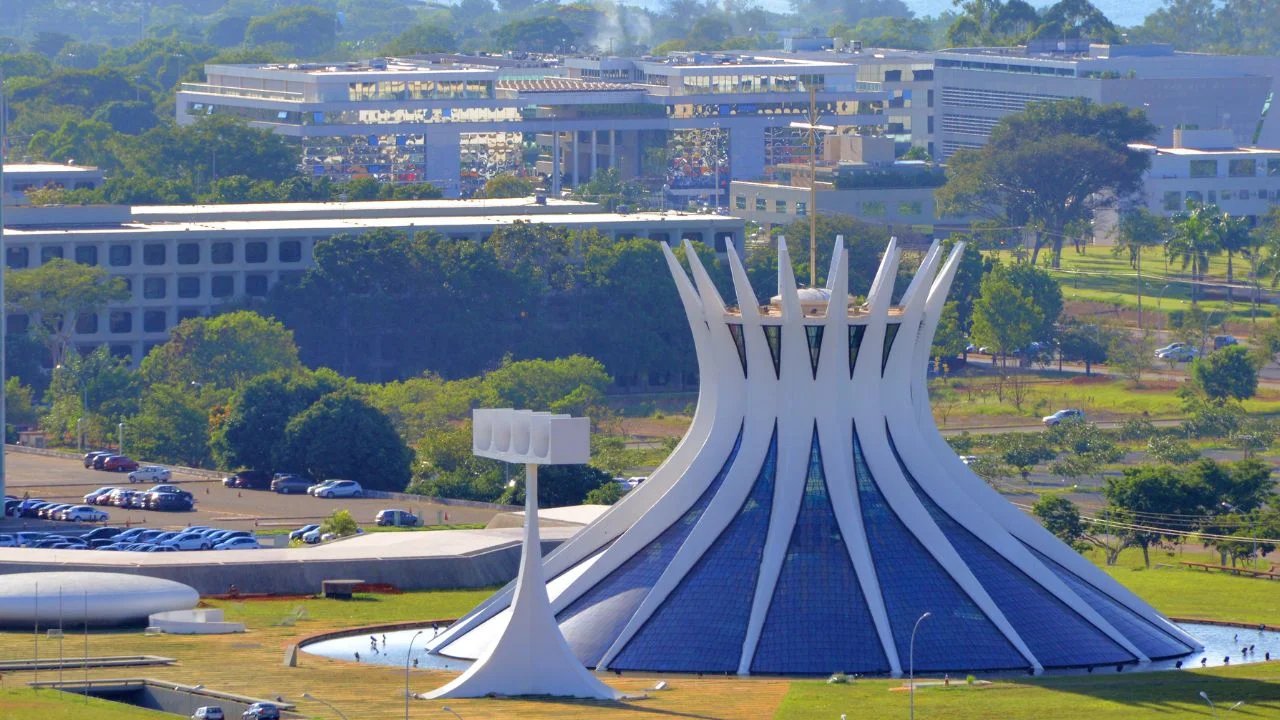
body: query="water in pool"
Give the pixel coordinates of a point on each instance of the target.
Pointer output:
(1223, 645)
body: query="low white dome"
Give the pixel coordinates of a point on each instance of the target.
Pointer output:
(112, 598)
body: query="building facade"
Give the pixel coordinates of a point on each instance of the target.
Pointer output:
(1207, 167)
(20, 178)
(187, 261)
(814, 520)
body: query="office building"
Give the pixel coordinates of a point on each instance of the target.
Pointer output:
(1205, 166)
(20, 178)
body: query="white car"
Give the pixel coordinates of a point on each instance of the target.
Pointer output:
(150, 473)
(8, 541)
(84, 513)
(238, 543)
(312, 490)
(340, 488)
(190, 541)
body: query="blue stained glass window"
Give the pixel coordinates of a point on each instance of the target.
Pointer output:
(958, 635)
(818, 620)
(773, 336)
(735, 329)
(1151, 640)
(855, 341)
(700, 626)
(592, 622)
(813, 333)
(890, 334)
(1055, 634)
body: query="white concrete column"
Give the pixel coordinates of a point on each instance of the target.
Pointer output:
(574, 182)
(595, 158)
(555, 163)
(613, 149)
(443, 154)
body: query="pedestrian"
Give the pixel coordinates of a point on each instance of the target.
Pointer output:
(357, 656)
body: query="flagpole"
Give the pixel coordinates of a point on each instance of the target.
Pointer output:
(4, 257)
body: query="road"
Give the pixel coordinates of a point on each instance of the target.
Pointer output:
(66, 480)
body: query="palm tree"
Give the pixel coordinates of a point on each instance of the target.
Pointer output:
(1233, 237)
(1194, 241)
(1137, 230)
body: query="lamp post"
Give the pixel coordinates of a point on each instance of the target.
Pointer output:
(3, 258)
(191, 691)
(406, 673)
(912, 681)
(309, 696)
(451, 711)
(1212, 707)
(120, 437)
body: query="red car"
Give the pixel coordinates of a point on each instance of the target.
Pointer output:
(119, 463)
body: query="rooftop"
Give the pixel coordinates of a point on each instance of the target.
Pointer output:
(43, 168)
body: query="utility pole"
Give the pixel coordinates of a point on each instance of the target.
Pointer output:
(4, 146)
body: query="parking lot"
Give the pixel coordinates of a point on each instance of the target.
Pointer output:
(66, 480)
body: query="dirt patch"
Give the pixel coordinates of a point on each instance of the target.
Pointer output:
(668, 427)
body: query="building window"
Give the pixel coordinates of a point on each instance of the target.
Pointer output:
(187, 313)
(87, 254)
(1242, 167)
(1226, 194)
(1273, 168)
(255, 252)
(122, 351)
(120, 255)
(153, 254)
(49, 253)
(1213, 196)
(1195, 196)
(188, 287)
(87, 324)
(873, 209)
(17, 258)
(17, 324)
(1243, 194)
(222, 286)
(740, 202)
(930, 103)
(1204, 168)
(802, 208)
(910, 208)
(761, 204)
(780, 206)
(893, 76)
(222, 253)
(153, 288)
(188, 253)
(121, 322)
(290, 251)
(255, 285)
(154, 321)
(1172, 201)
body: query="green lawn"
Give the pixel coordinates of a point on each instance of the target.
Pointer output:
(24, 704)
(363, 610)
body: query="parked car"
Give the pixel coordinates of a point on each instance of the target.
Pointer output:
(92, 455)
(51, 511)
(120, 497)
(189, 541)
(297, 534)
(249, 480)
(208, 712)
(238, 543)
(396, 518)
(1221, 341)
(11, 507)
(92, 498)
(313, 489)
(84, 513)
(167, 489)
(313, 537)
(119, 463)
(340, 488)
(168, 502)
(101, 459)
(7, 541)
(288, 484)
(150, 473)
(968, 459)
(1063, 415)
(261, 711)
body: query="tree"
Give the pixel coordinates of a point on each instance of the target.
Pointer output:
(54, 295)
(607, 494)
(1233, 237)
(991, 22)
(1077, 19)
(562, 385)
(447, 467)
(1023, 451)
(19, 404)
(1137, 230)
(1045, 293)
(423, 37)
(1004, 319)
(1194, 240)
(342, 436)
(306, 31)
(224, 351)
(1061, 517)
(98, 388)
(1131, 356)
(251, 432)
(1050, 166)
(1171, 450)
(949, 340)
(543, 33)
(559, 485)
(506, 185)
(1086, 343)
(340, 523)
(1227, 373)
(1154, 491)
(172, 425)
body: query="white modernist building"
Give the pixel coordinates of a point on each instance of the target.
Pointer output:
(813, 513)
(98, 598)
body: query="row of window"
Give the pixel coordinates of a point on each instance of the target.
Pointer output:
(871, 208)
(119, 322)
(813, 336)
(154, 254)
(1238, 167)
(1175, 200)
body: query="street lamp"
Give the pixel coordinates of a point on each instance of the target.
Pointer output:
(1205, 695)
(120, 437)
(191, 691)
(406, 673)
(309, 696)
(450, 710)
(912, 658)
(1161, 296)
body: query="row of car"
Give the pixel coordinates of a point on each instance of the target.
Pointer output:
(40, 509)
(137, 540)
(164, 498)
(110, 461)
(293, 483)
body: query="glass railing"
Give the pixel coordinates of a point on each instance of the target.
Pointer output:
(241, 92)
